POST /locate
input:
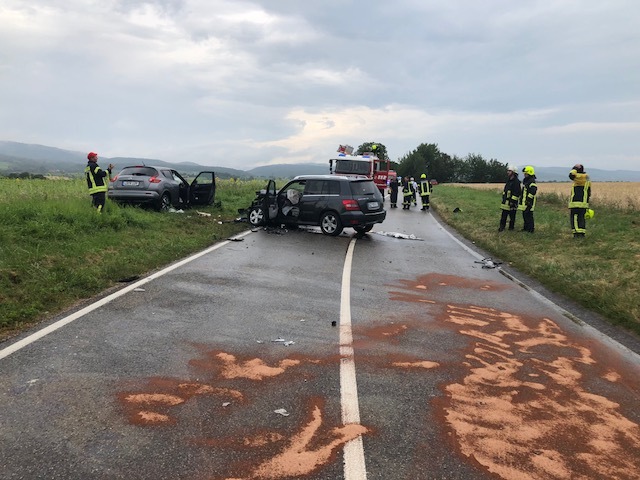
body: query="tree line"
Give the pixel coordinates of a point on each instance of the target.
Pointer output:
(442, 167)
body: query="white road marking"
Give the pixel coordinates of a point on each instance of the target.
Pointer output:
(354, 464)
(5, 352)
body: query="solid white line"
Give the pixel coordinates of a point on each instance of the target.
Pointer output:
(5, 352)
(354, 464)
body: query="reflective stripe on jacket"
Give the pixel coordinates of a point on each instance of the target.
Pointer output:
(528, 196)
(96, 178)
(511, 194)
(425, 188)
(580, 190)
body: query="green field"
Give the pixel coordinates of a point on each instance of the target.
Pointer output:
(56, 251)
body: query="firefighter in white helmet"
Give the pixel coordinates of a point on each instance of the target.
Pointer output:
(510, 196)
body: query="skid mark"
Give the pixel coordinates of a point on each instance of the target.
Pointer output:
(151, 407)
(414, 290)
(307, 450)
(270, 454)
(522, 409)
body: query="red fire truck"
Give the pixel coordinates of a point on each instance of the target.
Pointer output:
(365, 165)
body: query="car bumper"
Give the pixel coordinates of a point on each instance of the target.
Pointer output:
(355, 219)
(134, 197)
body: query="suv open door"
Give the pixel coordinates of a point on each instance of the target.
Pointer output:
(203, 189)
(264, 208)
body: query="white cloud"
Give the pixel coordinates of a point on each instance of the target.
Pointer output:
(253, 82)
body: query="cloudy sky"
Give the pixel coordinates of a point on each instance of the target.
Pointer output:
(247, 83)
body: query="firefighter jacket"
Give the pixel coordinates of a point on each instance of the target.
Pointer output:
(425, 188)
(528, 196)
(97, 178)
(511, 194)
(580, 190)
(407, 189)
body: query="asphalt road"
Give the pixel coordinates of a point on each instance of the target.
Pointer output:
(289, 354)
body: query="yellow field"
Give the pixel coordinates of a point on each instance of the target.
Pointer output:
(614, 194)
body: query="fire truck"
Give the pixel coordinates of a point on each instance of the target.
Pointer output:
(366, 165)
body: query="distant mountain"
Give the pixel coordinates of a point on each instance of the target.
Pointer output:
(39, 159)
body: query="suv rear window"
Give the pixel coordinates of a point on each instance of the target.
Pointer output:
(366, 187)
(139, 171)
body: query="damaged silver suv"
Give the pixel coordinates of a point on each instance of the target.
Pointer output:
(331, 202)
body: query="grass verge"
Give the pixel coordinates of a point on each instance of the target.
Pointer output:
(56, 250)
(600, 272)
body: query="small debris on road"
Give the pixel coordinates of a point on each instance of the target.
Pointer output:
(399, 235)
(281, 411)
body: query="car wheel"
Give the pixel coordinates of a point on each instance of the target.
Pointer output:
(330, 224)
(164, 203)
(256, 216)
(365, 229)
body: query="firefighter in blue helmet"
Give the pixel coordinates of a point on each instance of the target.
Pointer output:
(579, 200)
(425, 191)
(527, 202)
(510, 196)
(97, 181)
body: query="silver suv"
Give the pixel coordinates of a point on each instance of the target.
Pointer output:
(331, 202)
(161, 187)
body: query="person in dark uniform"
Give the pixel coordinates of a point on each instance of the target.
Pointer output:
(579, 200)
(97, 181)
(510, 197)
(393, 186)
(407, 193)
(425, 191)
(527, 202)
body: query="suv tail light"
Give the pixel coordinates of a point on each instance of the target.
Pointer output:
(350, 205)
(154, 180)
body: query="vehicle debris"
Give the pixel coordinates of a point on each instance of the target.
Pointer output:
(488, 263)
(139, 289)
(203, 214)
(400, 235)
(281, 411)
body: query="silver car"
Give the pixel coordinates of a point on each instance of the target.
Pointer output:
(161, 187)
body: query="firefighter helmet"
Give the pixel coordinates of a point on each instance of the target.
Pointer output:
(512, 168)
(589, 213)
(529, 170)
(424, 175)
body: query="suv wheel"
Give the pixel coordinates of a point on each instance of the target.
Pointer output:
(164, 203)
(330, 224)
(256, 216)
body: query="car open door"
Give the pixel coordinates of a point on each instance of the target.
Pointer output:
(203, 189)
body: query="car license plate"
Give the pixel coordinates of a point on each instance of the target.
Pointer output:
(374, 205)
(130, 183)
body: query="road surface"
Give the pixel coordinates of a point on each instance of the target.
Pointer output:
(289, 354)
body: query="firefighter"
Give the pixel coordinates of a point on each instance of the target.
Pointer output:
(527, 202)
(425, 191)
(579, 200)
(393, 186)
(97, 181)
(510, 196)
(414, 189)
(407, 193)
